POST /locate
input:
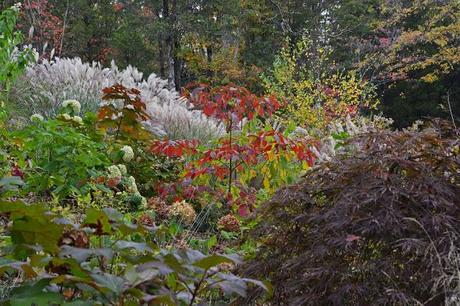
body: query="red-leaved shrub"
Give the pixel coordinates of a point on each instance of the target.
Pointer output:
(371, 227)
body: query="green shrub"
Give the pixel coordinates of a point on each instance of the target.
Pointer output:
(59, 158)
(106, 261)
(13, 61)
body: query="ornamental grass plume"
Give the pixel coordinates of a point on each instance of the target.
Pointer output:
(184, 211)
(44, 86)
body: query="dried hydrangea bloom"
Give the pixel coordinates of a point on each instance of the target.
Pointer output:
(229, 223)
(146, 220)
(184, 211)
(160, 207)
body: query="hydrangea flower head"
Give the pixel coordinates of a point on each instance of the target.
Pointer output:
(73, 104)
(131, 186)
(17, 7)
(128, 153)
(122, 169)
(65, 117)
(184, 211)
(36, 118)
(77, 119)
(114, 172)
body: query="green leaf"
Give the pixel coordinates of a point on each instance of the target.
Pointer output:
(35, 294)
(211, 242)
(212, 261)
(81, 254)
(139, 246)
(98, 220)
(39, 299)
(109, 281)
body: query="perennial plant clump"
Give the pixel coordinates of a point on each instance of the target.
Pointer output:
(44, 87)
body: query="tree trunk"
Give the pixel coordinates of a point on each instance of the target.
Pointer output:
(169, 43)
(171, 18)
(161, 58)
(177, 66)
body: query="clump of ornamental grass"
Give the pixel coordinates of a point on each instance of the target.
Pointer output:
(45, 86)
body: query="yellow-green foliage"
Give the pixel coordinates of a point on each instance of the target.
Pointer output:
(426, 47)
(316, 92)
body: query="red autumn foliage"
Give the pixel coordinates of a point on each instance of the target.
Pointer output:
(124, 120)
(375, 227)
(48, 28)
(230, 104)
(16, 171)
(174, 148)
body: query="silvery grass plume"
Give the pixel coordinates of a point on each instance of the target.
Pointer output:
(44, 87)
(329, 145)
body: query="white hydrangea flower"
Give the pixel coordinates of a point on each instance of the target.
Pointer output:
(65, 117)
(131, 186)
(36, 118)
(122, 169)
(144, 202)
(73, 104)
(128, 153)
(17, 7)
(77, 119)
(114, 172)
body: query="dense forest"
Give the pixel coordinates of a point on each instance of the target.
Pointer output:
(230, 152)
(407, 49)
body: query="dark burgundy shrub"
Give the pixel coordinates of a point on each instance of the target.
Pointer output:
(371, 227)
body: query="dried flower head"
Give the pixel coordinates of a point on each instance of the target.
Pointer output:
(146, 220)
(75, 238)
(184, 211)
(229, 223)
(160, 207)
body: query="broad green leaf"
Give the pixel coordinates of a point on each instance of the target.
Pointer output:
(212, 261)
(39, 299)
(112, 282)
(81, 254)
